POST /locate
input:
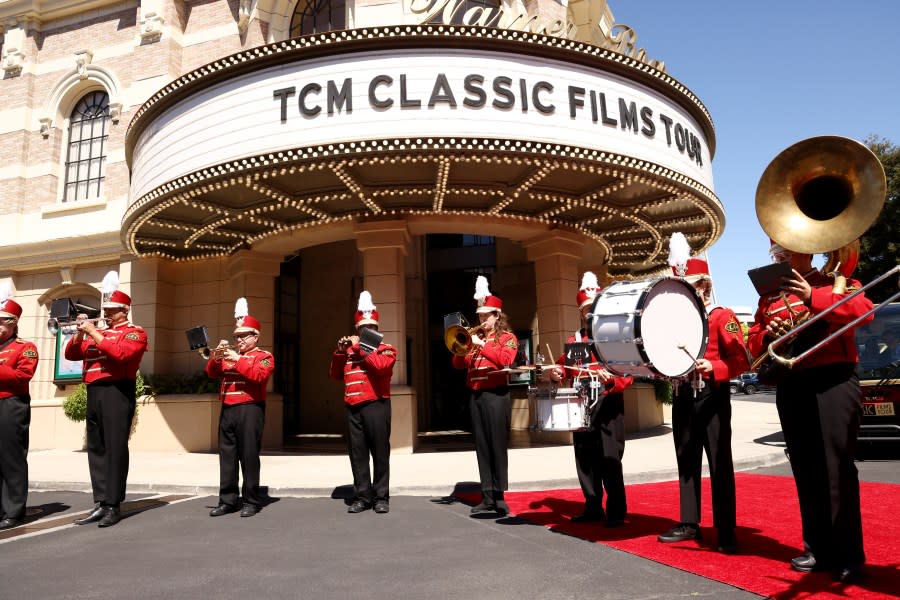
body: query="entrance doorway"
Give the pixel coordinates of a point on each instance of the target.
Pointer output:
(453, 261)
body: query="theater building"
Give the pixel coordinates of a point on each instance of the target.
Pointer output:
(297, 153)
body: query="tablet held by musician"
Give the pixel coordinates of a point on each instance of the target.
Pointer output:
(493, 348)
(600, 446)
(245, 370)
(18, 361)
(701, 411)
(366, 364)
(112, 351)
(806, 327)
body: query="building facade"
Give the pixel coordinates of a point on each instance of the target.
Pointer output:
(296, 153)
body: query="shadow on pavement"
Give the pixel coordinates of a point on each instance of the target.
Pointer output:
(773, 439)
(42, 511)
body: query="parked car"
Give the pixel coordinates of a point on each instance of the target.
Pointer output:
(748, 383)
(878, 343)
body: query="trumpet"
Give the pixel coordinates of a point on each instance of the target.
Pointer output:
(68, 327)
(218, 352)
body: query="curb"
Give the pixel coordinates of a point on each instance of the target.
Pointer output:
(441, 490)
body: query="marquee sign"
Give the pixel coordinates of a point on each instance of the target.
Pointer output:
(403, 94)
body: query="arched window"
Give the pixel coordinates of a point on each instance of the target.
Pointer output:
(86, 150)
(463, 6)
(316, 16)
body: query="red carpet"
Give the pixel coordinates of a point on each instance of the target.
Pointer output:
(768, 532)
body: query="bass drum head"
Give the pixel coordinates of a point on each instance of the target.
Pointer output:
(672, 315)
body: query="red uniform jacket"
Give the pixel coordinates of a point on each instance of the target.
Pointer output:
(481, 360)
(367, 376)
(726, 349)
(18, 360)
(616, 385)
(243, 381)
(839, 350)
(116, 358)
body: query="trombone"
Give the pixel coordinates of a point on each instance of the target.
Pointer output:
(68, 327)
(790, 362)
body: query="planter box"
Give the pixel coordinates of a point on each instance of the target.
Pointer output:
(167, 423)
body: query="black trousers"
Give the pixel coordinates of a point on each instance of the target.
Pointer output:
(598, 457)
(369, 433)
(698, 424)
(15, 418)
(820, 411)
(491, 412)
(240, 439)
(110, 410)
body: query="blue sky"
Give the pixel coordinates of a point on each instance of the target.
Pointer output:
(772, 73)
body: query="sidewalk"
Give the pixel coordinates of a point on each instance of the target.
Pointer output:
(649, 456)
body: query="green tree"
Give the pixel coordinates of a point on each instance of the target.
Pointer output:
(880, 246)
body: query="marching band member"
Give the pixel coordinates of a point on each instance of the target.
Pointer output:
(18, 360)
(819, 405)
(489, 404)
(111, 355)
(245, 370)
(598, 450)
(367, 371)
(701, 419)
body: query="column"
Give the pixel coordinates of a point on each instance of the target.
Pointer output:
(556, 255)
(383, 245)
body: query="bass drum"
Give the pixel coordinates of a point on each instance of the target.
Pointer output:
(644, 327)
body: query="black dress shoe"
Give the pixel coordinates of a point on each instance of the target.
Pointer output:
(501, 508)
(806, 563)
(482, 507)
(249, 510)
(223, 509)
(9, 523)
(615, 522)
(382, 507)
(727, 542)
(359, 506)
(95, 516)
(679, 533)
(849, 574)
(111, 516)
(588, 516)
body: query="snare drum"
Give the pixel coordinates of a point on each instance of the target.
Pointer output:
(638, 326)
(561, 410)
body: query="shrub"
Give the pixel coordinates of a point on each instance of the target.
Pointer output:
(198, 383)
(75, 404)
(663, 389)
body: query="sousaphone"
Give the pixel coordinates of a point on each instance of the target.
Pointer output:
(819, 196)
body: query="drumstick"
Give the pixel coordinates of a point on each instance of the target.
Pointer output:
(682, 347)
(550, 352)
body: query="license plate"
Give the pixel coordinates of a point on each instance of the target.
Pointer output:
(879, 409)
